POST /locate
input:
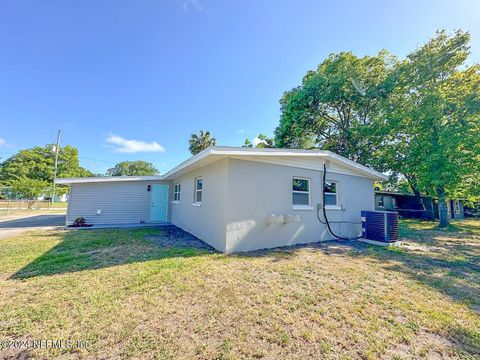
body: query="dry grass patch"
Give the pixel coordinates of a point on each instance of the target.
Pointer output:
(132, 299)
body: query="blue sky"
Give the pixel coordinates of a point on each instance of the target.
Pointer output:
(128, 80)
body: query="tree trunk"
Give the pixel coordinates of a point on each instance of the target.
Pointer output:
(442, 207)
(412, 181)
(418, 198)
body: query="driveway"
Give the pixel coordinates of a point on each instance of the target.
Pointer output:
(14, 224)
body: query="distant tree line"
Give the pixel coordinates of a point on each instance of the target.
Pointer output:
(28, 174)
(129, 168)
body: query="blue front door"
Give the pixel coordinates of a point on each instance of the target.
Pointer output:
(159, 203)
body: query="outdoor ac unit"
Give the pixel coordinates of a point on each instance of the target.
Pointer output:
(380, 226)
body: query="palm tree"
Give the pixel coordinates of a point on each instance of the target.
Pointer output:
(201, 141)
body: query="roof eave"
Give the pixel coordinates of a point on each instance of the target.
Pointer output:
(104, 179)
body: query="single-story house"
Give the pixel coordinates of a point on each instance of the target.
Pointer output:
(236, 199)
(407, 206)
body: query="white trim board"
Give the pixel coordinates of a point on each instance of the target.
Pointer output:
(100, 179)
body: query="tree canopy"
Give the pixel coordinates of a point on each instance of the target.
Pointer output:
(201, 141)
(332, 107)
(431, 123)
(261, 141)
(29, 173)
(138, 168)
(416, 118)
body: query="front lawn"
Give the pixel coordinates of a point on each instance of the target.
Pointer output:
(129, 298)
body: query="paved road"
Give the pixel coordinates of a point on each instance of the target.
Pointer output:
(14, 224)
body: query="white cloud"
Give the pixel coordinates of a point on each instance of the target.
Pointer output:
(241, 131)
(122, 145)
(257, 141)
(5, 144)
(192, 5)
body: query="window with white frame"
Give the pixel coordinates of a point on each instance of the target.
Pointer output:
(331, 194)
(457, 206)
(300, 192)
(176, 192)
(381, 201)
(198, 190)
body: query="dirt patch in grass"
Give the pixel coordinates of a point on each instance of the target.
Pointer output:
(133, 299)
(174, 237)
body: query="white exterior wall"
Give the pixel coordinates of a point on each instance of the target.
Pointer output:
(126, 202)
(258, 189)
(207, 221)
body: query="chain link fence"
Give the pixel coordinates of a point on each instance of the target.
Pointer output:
(20, 206)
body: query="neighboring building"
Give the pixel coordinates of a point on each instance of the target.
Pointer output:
(407, 206)
(236, 199)
(455, 209)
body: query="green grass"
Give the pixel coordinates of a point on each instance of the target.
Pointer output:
(132, 299)
(54, 210)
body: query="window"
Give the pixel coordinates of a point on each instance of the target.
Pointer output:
(381, 201)
(331, 195)
(457, 206)
(176, 193)
(198, 190)
(301, 193)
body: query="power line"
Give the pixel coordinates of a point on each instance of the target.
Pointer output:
(86, 158)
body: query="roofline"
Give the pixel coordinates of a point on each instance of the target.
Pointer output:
(236, 151)
(229, 151)
(385, 192)
(382, 192)
(101, 179)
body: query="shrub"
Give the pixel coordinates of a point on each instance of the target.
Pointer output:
(80, 221)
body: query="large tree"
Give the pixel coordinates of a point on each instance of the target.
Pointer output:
(138, 167)
(333, 106)
(201, 141)
(33, 168)
(27, 188)
(432, 122)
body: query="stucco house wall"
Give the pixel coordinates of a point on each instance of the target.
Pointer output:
(258, 189)
(206, 221)
(126, 202)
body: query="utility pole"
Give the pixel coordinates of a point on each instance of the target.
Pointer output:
(57, 148)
